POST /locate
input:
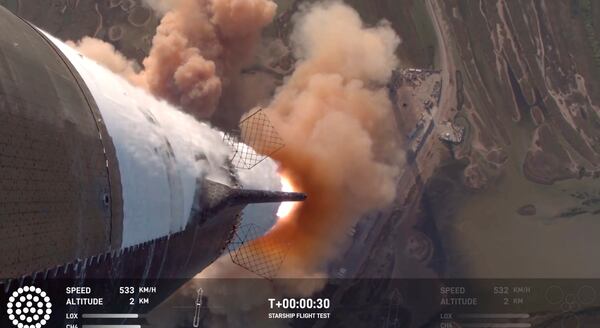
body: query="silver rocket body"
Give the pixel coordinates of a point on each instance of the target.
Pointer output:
(99, 179)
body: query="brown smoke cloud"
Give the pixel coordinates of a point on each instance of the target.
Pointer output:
(198, 47)
(336, 119)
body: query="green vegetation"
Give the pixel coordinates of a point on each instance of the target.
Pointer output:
(424, 29)
(410, 20)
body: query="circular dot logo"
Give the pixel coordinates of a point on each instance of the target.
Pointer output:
(29, 307)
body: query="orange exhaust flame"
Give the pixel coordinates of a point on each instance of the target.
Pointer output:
(286, 208)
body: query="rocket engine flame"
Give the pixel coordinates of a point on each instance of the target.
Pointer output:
(286, 208)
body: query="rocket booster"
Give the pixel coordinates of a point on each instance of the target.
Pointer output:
(98, 178)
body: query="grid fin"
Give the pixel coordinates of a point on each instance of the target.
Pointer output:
(262, 256)
(255, 140)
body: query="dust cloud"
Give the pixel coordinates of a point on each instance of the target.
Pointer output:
(336, 119)
(199, 46)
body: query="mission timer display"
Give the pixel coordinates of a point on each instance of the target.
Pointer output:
(299, 308)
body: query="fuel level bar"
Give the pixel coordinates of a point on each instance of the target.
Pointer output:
(493, 315)
(110, 315)
(495, 325)
(112, 326)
